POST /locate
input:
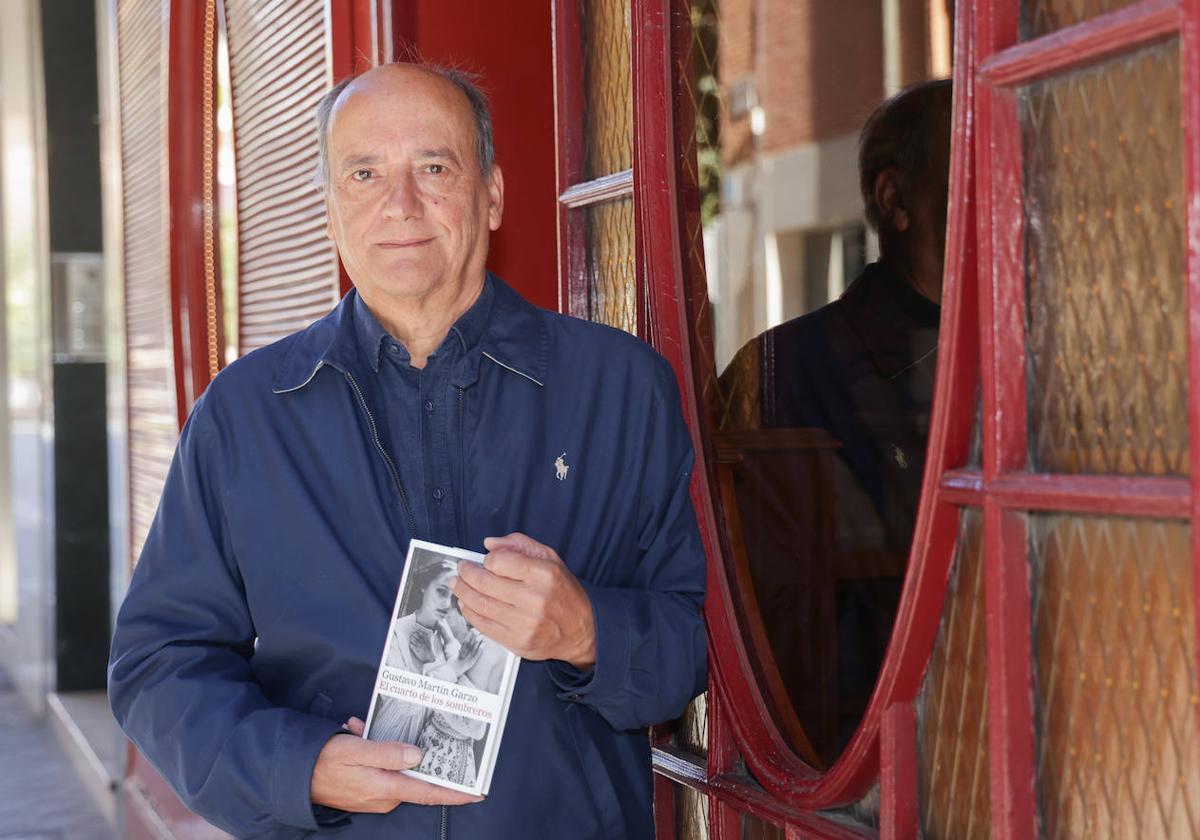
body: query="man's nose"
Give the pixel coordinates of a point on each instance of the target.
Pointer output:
(403, 200)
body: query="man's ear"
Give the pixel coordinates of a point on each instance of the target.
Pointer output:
(328, 215)
(887, 197)
(495, 198)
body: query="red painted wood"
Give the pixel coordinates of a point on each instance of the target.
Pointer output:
(899, 804)
(152, 807)
(723, 758)
(664, 807)
(569, 100)
(1011, 753)
(654, 152)
(1002, 352)
(509, 44)
(185, 101)
(339, 32)
(1083, 43)
(770, 758)
(1169, 498)
(1190, 91)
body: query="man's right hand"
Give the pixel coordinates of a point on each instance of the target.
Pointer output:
(360, 776)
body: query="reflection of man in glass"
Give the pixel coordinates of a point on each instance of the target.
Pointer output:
(859, 370)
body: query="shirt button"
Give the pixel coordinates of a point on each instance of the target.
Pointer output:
(576, 696)
(429, 406)
(395, 348)
(437, 493)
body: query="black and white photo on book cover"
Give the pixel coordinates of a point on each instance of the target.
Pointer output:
(442, 685)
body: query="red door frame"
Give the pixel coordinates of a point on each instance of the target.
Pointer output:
(575, 192)
(738, 717)
(983, 301)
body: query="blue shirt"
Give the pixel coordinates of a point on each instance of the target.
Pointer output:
(419, 421)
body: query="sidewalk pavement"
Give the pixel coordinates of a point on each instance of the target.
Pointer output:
(41, 796)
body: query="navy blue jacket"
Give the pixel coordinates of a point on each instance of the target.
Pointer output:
(259, 608)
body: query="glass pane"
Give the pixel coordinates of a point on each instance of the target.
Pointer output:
(611, 273)
(1105, 263)
(691, 815)
(755, 829)
(1040, 17)
(608, 75)
(952, 731)
(815, 330)
(693, 727)
(1115, 677)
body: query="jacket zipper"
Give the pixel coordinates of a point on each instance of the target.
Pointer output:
(462, 473)
(443, 827)
(412, 519)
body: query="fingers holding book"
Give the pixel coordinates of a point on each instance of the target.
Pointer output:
(525, 598)
(357, 775)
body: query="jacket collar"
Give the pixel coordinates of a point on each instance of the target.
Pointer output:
(516, 339)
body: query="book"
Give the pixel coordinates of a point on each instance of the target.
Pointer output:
(442, 685)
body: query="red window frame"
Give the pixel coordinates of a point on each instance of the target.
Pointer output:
(576, 193)
(982, 354)
(739, 719)
(1004, 488)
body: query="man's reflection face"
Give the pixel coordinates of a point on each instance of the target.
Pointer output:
(928, 202)
(909, 138)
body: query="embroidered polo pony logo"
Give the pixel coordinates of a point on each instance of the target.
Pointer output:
(561, 467)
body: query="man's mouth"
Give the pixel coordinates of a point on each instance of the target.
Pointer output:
(393, 244)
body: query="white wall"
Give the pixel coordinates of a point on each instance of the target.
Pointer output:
(26, 421)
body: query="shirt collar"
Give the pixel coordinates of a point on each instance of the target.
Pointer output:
(468, 329)
(514, 334)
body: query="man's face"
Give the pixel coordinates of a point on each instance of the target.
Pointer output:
(407, 204)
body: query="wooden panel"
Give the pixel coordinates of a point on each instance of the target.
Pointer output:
(153, 406)
(952, 740)
(287, 268)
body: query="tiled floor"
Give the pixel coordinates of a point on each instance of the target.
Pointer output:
(41, 797)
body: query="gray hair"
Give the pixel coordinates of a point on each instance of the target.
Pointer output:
(901, 133)
(467, 83)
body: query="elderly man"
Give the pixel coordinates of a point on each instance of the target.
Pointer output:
(433, 402)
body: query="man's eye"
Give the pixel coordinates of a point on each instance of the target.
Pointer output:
(362, 174)
(435, 169)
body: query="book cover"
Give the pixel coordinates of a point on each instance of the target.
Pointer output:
(442, 685)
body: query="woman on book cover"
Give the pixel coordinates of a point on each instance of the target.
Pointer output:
(417, 642)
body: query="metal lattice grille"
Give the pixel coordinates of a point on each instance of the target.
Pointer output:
(952, 739)
(1105, 263)
(1114, 677)
(611, 271)
(1041, 17)
(608, 77)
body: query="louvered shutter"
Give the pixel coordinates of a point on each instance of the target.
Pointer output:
(153, 407)
(287, 272)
